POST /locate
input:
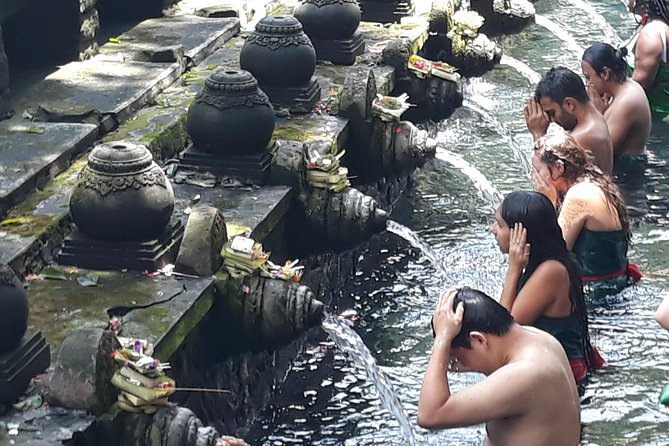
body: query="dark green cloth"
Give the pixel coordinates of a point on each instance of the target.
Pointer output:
(566, 330)
(601, 253)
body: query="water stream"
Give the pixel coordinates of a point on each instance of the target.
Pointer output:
(349, 342)
(328, 401)
(521, 67)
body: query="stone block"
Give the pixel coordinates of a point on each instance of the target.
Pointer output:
(205, 235)
(5, 104)
(359, 92)
(82, 375)
(4, 70)
(287, 163)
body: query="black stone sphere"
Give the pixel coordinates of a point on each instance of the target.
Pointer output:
(329, 19)
(13, 310)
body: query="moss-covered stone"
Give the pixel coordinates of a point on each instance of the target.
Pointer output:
(43, 209)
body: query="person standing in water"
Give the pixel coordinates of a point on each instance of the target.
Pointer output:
(561, 97)
(528, 396)
(592, 213)
(543, 286)
(650, 64)
(621, 100)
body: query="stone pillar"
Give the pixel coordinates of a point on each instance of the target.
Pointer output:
(5, 105)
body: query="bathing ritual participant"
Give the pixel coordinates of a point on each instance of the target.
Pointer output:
(621, 100)
(649, 64)
(662, 313)
(591, 213)
(625, 107)
(230, 441)
(543, 285)
(528, 396)
(561, 97)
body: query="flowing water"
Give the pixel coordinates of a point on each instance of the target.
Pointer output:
(329, 399)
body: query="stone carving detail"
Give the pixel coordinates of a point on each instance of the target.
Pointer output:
(104, 184)
(223, 102)
(274, 43)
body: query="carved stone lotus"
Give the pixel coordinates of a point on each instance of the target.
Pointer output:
(278, 53)
(122, 194)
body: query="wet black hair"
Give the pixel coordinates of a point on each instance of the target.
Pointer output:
(657, 9)
(601, 55)
(560, 83)
(482, 313)
(538, 216)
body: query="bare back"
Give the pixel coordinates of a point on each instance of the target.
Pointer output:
(592, 133)
(551, 415)
(629, 119)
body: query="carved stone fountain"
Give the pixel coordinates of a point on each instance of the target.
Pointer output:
(122, 207)
(332, 26)
(280, 55)
(231, 123)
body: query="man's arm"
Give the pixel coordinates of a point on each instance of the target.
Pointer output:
(647, 55)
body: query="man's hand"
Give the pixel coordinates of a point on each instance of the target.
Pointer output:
(536, 118)
(447, 323)
(519, 249)
(601, 102)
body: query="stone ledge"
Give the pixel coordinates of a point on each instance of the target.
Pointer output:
(32, 154)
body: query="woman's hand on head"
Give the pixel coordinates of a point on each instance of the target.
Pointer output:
(519, 249)
(542, 186)
(447, 322)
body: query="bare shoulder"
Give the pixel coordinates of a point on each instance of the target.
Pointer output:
(551, 270)
(583, 191)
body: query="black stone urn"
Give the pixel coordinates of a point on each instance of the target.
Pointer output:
(13, 310)
(278, 53)
(122, 194)
(231, 116)
(329, 19)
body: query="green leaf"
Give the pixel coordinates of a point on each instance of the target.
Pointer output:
(90, 279)
(53, 273)
(35, 130)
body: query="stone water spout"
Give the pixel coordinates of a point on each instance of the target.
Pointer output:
(275, 311)
(341, 219)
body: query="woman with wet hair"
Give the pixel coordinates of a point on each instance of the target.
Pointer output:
(543, 285)
(591, 213)
(650, 63)
(621, 100)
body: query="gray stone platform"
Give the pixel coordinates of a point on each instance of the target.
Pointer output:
(31, 154)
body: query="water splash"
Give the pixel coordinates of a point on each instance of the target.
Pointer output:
(352, 345)
(560, 33)
(417, 242)
(488, 190)
(502, 131)
(609, 33)
(521, 67)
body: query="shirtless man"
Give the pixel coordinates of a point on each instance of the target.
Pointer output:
(528, 397)
(620, 99)
(561, 97)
